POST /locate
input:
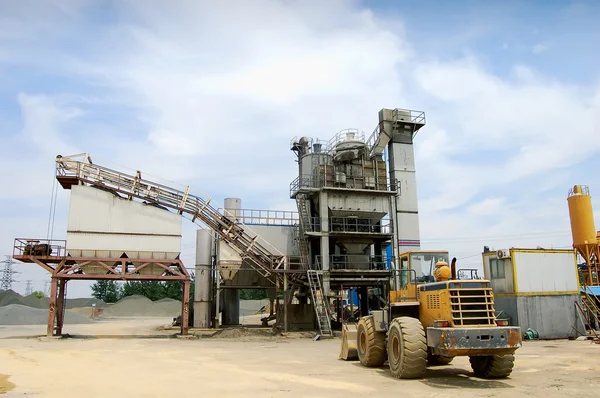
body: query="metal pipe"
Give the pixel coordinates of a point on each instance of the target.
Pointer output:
(453, 268)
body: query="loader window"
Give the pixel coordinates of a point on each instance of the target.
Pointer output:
(424, 264)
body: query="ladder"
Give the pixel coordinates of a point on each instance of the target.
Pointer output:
(591, 311)
(303, 226)
(79, 169)
(319, 302)
(313, 275)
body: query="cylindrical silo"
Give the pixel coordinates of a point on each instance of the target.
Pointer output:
(232, 207)
(231, 297)
(314, 167)
(582, 220)
(202, 288)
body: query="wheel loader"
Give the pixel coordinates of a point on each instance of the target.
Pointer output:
(430, 318)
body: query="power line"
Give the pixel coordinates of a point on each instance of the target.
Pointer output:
(7, 273)
(497, 237)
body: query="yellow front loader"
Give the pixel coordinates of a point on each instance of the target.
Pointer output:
(432, 317)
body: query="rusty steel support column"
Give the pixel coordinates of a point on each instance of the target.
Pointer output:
(185, 305)
(52, 307)
(60, 305)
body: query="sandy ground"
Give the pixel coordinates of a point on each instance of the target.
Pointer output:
(278, 367)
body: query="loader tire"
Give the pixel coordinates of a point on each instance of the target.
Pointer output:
(493, 366)
(370, 343)
(407, 348)
(438, 360)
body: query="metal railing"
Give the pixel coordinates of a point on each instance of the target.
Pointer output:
(263, 217)
(352, 225)
(344, 135)
(40, 247)
(584, 190)
(355, 262)
(329, 180)
(398, 115)
(467, 273)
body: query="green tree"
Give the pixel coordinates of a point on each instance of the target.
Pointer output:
(38, 294)
(155, 290)
(107, 291)
(253, 294)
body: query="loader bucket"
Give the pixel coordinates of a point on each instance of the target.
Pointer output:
(349, 348)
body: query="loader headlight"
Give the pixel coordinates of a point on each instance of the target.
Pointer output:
(441, 324)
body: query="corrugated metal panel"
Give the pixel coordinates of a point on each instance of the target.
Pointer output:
(103, 225)
(280, 237)
(553, 317)
(545, 271)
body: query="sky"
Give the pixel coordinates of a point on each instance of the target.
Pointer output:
(209, 94)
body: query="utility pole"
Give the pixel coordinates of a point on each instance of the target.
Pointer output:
(7, 273)
(46, 289)
(28, 288)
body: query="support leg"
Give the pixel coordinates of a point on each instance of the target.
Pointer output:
(52, 307)
(60, 305)
(285, 303)
(185, 306)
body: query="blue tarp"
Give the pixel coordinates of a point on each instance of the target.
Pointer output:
(595, 290)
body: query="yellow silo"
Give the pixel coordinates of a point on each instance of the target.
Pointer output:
(582, 221)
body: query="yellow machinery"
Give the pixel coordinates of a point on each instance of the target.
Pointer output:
(585, 238)
(430, 318)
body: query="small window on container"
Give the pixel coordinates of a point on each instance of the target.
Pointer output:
(497, 268)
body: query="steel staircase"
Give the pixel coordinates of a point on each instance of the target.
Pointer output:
(591, 310)
(304, 225)
(319, 302)
(314, 276)
(79, 169)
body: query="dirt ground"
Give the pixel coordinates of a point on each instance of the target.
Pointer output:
(154, 366)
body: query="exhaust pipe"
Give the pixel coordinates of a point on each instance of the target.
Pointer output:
(453, 268)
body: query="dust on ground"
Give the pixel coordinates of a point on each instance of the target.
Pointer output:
(5, 385)
(268, 367)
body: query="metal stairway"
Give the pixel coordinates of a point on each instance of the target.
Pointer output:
(319, 302)
(313, 275)
(591, 312)
(305, 225)
(79, 169)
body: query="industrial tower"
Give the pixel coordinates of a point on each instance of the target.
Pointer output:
(354, 201)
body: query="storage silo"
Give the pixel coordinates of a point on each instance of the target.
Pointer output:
(583, 230)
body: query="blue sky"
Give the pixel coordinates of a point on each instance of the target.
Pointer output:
(209, 94)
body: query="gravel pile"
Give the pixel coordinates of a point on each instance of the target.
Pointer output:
(143, 306)
(17, 314)
(85, 302)
(8, 297)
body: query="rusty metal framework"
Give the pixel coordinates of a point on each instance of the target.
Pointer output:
(52, 256)
(262, 256)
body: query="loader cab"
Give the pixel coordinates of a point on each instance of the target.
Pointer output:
(418, 266)
(415, 268)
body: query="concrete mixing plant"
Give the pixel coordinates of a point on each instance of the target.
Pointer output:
(585, 236)
(357, 210)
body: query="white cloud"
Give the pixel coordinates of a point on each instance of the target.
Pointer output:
(539, 48)
(212, 98)
(488, 206)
